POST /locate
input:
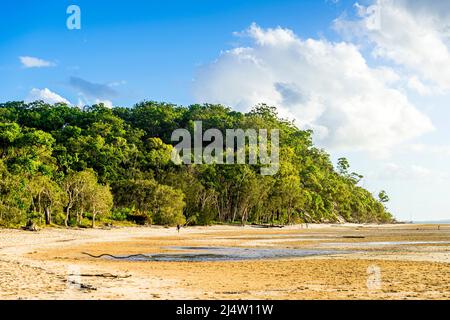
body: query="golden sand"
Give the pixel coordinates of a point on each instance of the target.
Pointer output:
(38, 265)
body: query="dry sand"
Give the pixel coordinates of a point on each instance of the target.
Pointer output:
(50, 264)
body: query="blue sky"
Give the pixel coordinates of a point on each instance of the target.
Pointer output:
(368, 78)
(153, 46)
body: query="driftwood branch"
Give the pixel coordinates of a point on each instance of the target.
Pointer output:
(266, 226)
(83, 286)
(103, 275)
(115, 257)
(353, 237)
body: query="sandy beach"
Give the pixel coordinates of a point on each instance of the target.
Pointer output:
(358, 262)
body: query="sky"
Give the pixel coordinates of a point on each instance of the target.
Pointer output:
(372, 79)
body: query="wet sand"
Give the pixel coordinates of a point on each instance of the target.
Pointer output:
(370, 262)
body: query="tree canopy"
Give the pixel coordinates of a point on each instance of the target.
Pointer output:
(62, 164)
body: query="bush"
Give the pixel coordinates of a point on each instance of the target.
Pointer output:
(11, 216)
(36, 217)
(87, 215)
(85, 222)
(205, 218)
(121, 214)
(59, 218)
(168, 206)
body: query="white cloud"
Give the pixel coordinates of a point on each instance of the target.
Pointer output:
(393, 171)
(322, 85)
(107, 103)
(412, 34)
(439, 150)
(83, 101)
(46, 95)
(33, 62)
(415, 84)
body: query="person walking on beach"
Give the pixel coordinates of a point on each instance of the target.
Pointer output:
(178, 228)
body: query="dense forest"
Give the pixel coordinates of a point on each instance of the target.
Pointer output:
(72, 166)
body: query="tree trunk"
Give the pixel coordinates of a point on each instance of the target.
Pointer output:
(93, 220)
(66, 221)
(80, 215)
(289, 215)
(48, 216)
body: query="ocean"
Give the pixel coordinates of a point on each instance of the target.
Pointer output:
(432, 222)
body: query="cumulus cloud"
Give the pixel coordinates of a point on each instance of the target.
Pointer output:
(82, 101)
(106, 103)
(33, 62)
(45, 95)
(326, 86)
(414, 34)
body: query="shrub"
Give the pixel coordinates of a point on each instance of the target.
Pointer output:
(168, 206)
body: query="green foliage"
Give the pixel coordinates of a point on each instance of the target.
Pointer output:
(47, 197)
(383, 197)
(84, 195)
(168, 206)
(121, 214)
(161, 204)
(57, 163)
